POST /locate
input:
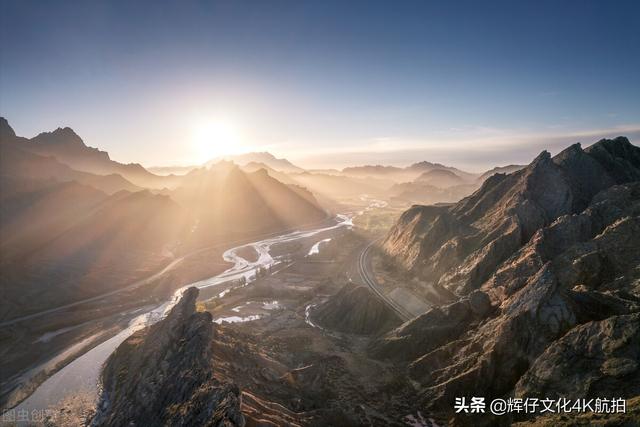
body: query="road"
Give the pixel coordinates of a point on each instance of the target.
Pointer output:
(364, 268)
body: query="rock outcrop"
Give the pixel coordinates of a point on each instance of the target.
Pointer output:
(582, 268)
(550, 258)
(354, 309)
(433, 329)
(163, 375)
(599, 358)
(459, 247)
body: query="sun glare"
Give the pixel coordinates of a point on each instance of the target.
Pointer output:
(215, 138)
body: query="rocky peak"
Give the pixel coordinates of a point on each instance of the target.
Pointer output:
(618, 157)
(507, 211)
(558, 316)
(60, 136)
(422, 165)
(541, 158)
(163, 375)
(6, 131)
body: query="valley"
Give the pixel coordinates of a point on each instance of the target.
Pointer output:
(353, 336)
(305, 300)
(319, 213)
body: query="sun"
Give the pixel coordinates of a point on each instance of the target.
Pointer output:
(215, 138)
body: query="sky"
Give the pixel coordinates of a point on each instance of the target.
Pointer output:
(323, 83)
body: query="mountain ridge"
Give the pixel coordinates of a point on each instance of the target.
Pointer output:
(552, 250)
(68, 148)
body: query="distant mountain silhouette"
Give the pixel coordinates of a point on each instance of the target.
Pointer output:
(18, 161)
(227, 201)
(500, 169)
(67, 147)
(281, 165)
(406, 174)
(426, 194)
(442, 178)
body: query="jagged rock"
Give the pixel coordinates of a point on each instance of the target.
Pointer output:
(555, 250)
(163, 375)
(597, 359)
(432, 329)
(487, 227)
(489, 359)
(479, 303)
(6, 131)
(354, 309)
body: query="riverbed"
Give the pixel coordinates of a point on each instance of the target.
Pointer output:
(81, 376)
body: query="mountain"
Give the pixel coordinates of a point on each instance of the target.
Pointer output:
(370, 170)
(424, 166)
(340, 186)
(164, 375)
(171, 170)
(426, 194)
(18, 162)
(67, 147)
(483, 229)
(409, 173)
(540, 270)
(354, 309)
(500, 169)
(283, 177)
(441, 178)
(281, 165)
(63, 242)
(228, 202)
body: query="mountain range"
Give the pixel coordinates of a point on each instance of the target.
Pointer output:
(537, 280)
(69, 216)
(534, 289)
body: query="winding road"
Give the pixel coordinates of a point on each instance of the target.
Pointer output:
(364, 268)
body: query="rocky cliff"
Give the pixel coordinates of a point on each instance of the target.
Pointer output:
(459, 247)
(163, 375)
(551, 256)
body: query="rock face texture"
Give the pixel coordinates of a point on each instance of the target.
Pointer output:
(163, 375)
(459, 247)
(598, 358)
(545, 263)
(433, 329)
(354, 309)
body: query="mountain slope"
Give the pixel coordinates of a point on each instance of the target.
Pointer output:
(64, 242)
(482, 230)
(406, 174)
(500, 169)
(18, 162)
(163, 375)
(440, 178)
(426, 194)
(354, 309)
(225, 201)
(553, 252)
(281, 165)
(67, 147)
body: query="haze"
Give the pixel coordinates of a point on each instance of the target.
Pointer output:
(325, 84)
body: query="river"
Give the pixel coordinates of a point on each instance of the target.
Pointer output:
(82, 374)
